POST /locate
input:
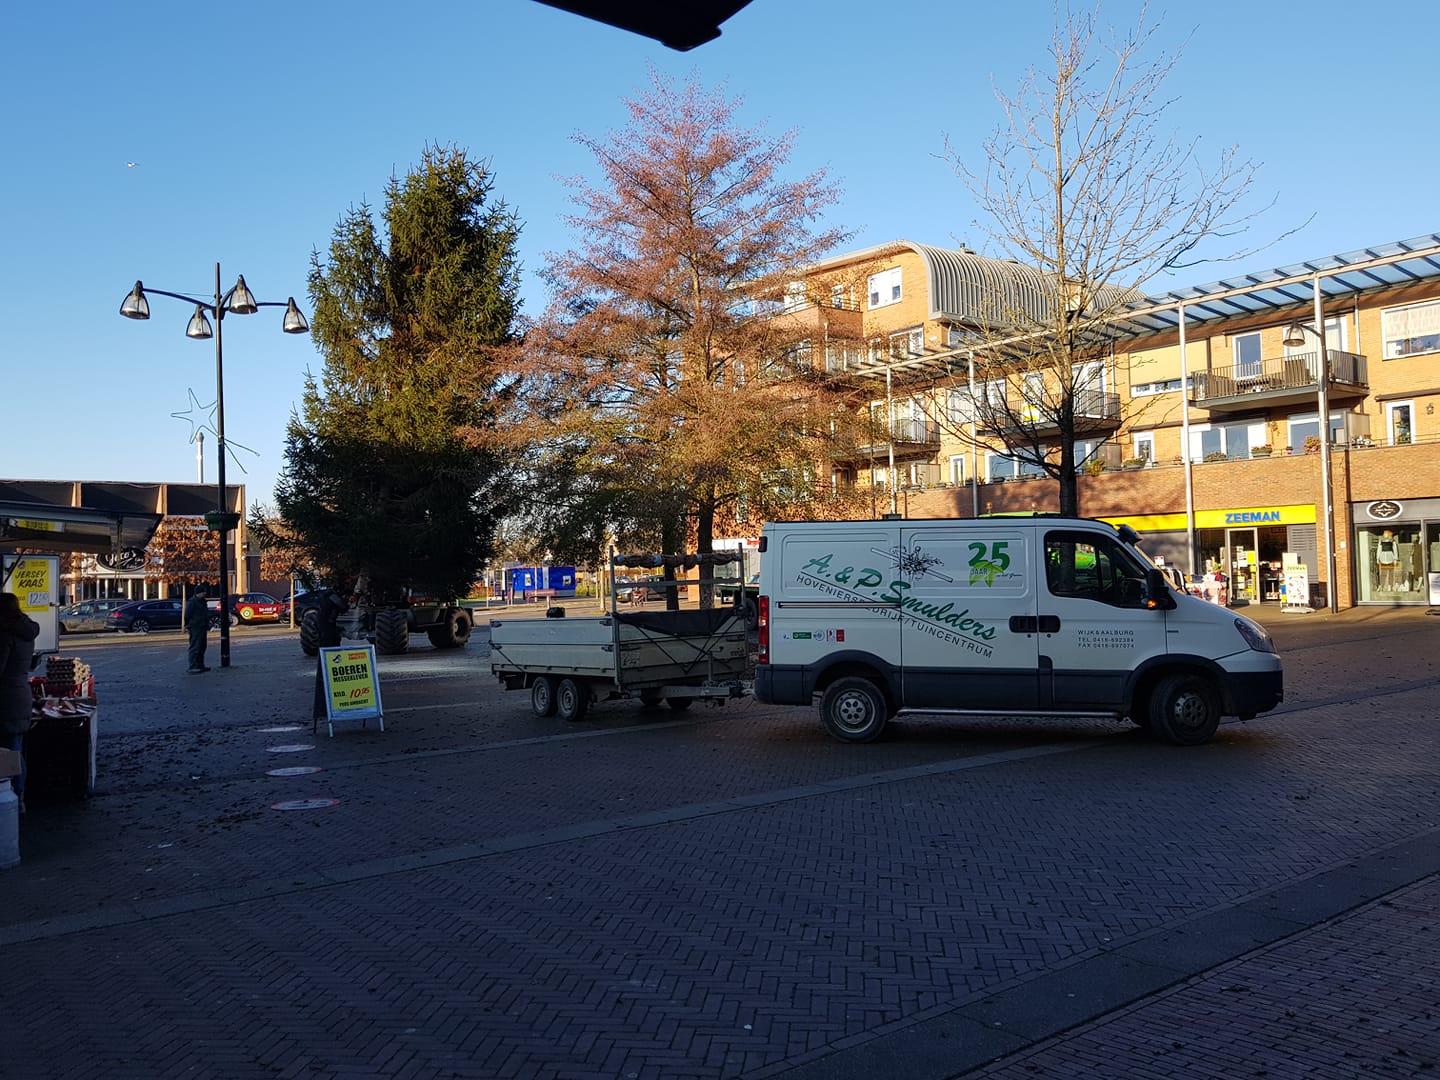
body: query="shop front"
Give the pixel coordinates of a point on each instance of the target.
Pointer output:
(1397, 551)
(1243, 547)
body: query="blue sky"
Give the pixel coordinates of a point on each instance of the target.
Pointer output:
(252, 139)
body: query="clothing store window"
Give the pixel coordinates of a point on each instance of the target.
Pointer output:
(1391, 561)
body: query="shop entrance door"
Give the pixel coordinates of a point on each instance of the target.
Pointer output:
(1242, 563)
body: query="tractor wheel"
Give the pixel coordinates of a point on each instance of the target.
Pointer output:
(453, 630)
(310, 633)
(392, 632)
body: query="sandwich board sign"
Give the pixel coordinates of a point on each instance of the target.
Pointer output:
(349, 684)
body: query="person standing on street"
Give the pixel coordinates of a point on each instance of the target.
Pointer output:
(197, 625)
(17, 656)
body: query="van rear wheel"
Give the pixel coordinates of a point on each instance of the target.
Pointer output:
(1184, 710)
(854, 709)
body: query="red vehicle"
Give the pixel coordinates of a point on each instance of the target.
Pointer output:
(254, 607)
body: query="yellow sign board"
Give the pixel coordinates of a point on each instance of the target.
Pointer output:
(351, 684)
(1238, 518)
(33, 581)
(37, 526)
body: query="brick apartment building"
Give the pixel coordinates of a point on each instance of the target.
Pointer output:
(1221, 465)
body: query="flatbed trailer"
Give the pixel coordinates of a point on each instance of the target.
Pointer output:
(677, 657)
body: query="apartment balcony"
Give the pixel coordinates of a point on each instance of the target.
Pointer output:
(909, 438)
(819, 322)
(1280, 382)
(1096, 413)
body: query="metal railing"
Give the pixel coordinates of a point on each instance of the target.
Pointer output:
(1298, 371)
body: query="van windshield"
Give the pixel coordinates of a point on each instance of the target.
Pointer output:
(1087, 565)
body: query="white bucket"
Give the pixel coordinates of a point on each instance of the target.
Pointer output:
(9, 826)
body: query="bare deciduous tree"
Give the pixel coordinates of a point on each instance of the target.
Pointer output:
(1083, 186)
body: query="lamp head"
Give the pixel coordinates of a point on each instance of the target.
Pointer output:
(135, 305)
(242, 302)
(1294, 336)
(294, 319)
(199, 326)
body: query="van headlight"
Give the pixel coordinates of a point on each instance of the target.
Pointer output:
(1255, 635)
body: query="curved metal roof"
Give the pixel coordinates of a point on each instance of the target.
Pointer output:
(970, 288)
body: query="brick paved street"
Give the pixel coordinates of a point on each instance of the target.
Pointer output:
(728, 892)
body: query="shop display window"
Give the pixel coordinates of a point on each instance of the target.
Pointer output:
(1390, 561)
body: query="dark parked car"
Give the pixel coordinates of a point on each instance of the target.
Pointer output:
(89, 615)
(145, 615)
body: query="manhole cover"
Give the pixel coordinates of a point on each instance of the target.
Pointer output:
(290, 748)
(295, 770)
(305, 804)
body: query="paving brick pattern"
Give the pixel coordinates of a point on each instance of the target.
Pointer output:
(727, 894)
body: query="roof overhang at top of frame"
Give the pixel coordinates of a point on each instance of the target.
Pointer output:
(41, 527)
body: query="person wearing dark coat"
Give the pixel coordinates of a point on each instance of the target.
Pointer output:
(17, 657)
(197, 626)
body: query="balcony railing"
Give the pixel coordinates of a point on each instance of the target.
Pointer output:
(905, 436)
(1095, 410)
(1280, 376)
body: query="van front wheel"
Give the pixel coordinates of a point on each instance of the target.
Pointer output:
(1184, 710)
(854, 709)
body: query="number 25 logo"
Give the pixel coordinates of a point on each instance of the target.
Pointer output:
(985, 563)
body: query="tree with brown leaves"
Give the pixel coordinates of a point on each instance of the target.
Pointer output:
(676, 400)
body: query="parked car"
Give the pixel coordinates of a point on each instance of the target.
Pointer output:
(257, 607)
(89, 614)
(142, 616)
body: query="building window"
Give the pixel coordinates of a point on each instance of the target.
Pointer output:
(841, 357)
(1145, 445)
(795, 296)
(1411, 330)
(837, 296)
(907, 343)
(1398, 427)
(1249, 361)
(1229, 440)
(999, 466)
(1168, 386)
(884, 287)
(1302, 426)
(957, 469)
(962, 406)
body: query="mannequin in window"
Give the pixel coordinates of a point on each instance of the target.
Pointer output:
(1387, 560)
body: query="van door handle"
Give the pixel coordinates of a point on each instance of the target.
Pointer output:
(1024, 624)
(1049, 624)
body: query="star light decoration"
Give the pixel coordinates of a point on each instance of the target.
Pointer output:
(202, 418)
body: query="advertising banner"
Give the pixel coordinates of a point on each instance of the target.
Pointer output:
(350, 684)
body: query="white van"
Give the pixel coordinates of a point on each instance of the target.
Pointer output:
(1022, 616)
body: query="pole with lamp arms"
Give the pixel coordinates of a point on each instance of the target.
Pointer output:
(237, 301)
(1295, 335)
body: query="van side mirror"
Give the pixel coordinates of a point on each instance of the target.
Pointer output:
(1158, 594)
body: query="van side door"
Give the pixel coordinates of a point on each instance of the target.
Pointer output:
(967, 613)
(1095, 627)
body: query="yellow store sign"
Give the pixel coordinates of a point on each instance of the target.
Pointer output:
(1238, 518)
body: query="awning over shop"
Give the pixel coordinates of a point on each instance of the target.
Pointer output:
(44, 527)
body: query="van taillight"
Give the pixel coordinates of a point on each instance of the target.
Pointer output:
(764, 605)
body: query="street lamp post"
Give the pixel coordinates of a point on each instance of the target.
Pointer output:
(237, 301)
(1294, 336)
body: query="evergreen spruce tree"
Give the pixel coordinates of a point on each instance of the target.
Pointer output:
(396, 472)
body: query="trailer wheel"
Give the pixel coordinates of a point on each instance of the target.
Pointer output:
(572, 700)
(453, 631)
(1184, 710)
(650, 698)
(392, 631)
(680, 704)
(750, 612)
(854, 709)
(542, 696)
(310, 633)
